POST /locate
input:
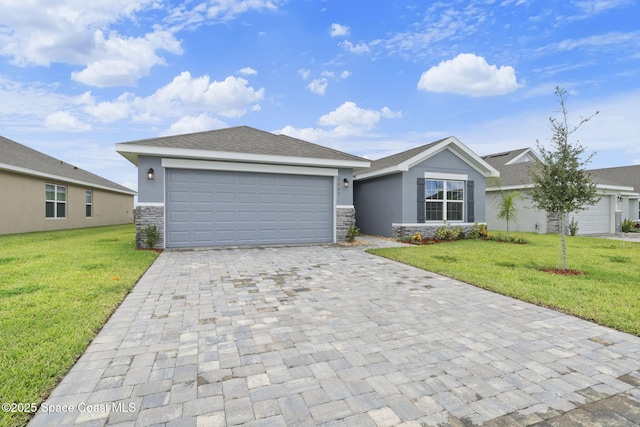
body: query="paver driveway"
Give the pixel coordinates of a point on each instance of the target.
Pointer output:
(329, 334)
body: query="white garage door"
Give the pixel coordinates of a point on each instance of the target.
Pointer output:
(216, 208)
(596, 219)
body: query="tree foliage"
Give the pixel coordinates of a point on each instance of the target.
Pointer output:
(561, 184)
(507, 208)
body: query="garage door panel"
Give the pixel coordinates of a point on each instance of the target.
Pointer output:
(213, 208)
(594, 219)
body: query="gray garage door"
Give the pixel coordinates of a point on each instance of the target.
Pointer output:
(216, 208)
(595, 219)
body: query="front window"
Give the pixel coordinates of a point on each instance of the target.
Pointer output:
(444, 200)
(88, 203)
(55, 201)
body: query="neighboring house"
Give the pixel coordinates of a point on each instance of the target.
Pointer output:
(617, 188)
(43, 193)
(422, 189)
(241, 186)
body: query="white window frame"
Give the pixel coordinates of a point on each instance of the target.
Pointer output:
(55, 201)
(446, 178)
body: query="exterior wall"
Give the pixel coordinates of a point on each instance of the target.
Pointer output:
(378, 204)
(150, 191)
(443, 162)
(634, 210)
(151, 200)
(24, 207)
(344, 195)
(528, 219)
(149, 215)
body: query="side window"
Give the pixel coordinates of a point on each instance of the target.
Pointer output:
(88, 203)
(55, 201)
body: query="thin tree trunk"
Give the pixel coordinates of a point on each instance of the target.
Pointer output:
(563, 242)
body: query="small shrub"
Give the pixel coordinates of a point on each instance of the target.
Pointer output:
(458, 233)
(573, 226)
(478, 231)
(352, 232)
(150, 236)
(627, 225)
(441, 234)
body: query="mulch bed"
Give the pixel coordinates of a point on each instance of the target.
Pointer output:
(563, 272)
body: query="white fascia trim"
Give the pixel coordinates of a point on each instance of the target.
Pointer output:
(614, 188)
(446, 176)
(152, 204)
(386, 171)
(247, 167)
(523, 154)
(345, 206)
(456, 147)
(510, 187)
(53, 177)
(237, 157)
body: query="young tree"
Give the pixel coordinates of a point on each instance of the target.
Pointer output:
(561, 184)
(507, 208)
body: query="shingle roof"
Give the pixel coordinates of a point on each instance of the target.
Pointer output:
(518, 173)
(624, 175)
(396, 159)
(20, 158)
(244, 139)
(514, 174)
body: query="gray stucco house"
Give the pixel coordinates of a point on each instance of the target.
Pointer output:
(422, 189)
(241, 186)
(618, 189)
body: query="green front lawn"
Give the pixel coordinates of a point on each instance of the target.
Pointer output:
(57, 289)
(607, 293)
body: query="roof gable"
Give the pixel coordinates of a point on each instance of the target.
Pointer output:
(402, 162)
(241, 143)
(514, 172)
(19, 158)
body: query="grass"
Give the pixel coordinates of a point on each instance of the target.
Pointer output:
(607, 293)
(57, 289)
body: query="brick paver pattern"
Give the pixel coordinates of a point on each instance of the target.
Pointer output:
(331, 335)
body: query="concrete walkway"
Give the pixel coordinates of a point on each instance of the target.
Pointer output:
(332, 335)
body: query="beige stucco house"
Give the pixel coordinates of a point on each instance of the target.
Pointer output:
(43, 193)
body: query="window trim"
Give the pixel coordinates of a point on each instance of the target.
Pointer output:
(55, 201)
(446, 178)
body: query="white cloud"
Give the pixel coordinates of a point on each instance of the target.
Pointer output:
(121, 61)
(468, 74)
(190, 124)
(247, 71)
(614, 38)
(304, 73)
(318, 86)
(338, 30)
(64, 121)
(109, 112)
(78, 32)
(358, 49)
(228, 9)
(184, 96)
(348, 120)
(345, 74)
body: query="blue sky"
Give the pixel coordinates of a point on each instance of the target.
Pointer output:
(370, 78)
